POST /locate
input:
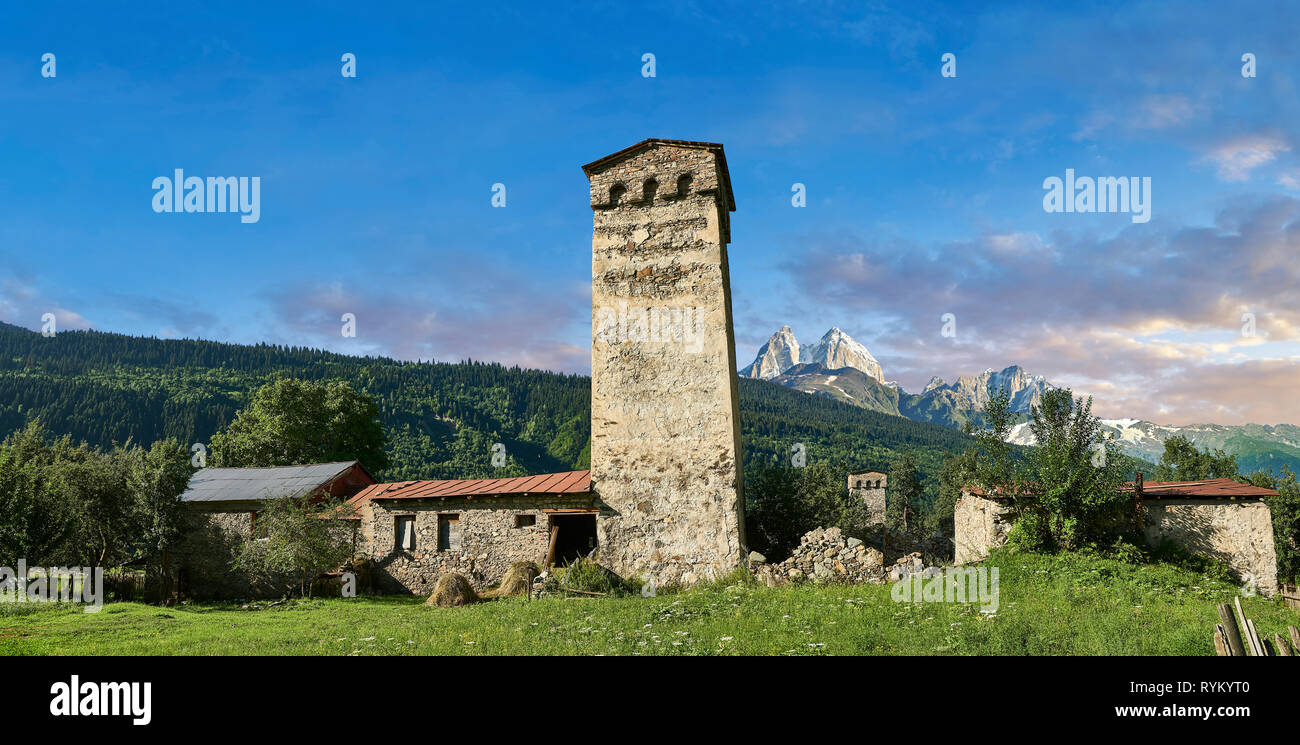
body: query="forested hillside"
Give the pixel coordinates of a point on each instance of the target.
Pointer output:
(441, 418)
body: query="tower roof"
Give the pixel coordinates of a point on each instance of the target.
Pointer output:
(713, 147)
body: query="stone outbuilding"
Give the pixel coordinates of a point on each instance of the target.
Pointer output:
(222, 506)
(1220, 518)
(413, 531)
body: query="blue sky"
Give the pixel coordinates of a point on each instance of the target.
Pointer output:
(924, 192)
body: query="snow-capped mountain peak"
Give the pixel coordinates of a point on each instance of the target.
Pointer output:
(835, 350)
(780, 353)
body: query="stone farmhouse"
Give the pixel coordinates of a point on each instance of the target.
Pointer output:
(222, 504)
(414, 531)
(1220, 518)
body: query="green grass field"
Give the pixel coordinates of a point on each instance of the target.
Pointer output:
(1058, 605)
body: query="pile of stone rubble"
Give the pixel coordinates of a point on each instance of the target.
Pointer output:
(825, 555)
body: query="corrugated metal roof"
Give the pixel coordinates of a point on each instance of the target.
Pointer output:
(257, 484)
(1207, 489)
(569, 482)
(1224, 488)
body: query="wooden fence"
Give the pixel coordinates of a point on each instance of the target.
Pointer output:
(1232, 629)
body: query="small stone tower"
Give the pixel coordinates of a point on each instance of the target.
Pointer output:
(869, 486)
(665, 421)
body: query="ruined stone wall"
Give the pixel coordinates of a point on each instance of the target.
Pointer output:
(665, 434)
(489, 540)
(1239, 533)
(978, 527)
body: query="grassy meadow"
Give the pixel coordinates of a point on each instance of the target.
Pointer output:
(1071, 604)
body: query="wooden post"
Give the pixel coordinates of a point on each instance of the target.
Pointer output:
(550, 550)
(1295, 639)
(1283, 649)
(1231, 631)
(1260, 649)
(1220, 646)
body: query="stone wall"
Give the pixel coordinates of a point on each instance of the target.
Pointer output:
(665, 424)
(978, 527)
(489, 540)
(204, 559)
(1238, 533)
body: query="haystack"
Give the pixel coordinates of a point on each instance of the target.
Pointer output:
(518, 581)
(451, 591)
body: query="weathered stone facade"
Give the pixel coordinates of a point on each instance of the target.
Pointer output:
(1240, 534)
(665, 423)
(869, 486)
(205, 559)
(221, 504)
(978, 527)
(490, 538)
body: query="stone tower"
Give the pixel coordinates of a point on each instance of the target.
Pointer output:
(665, 422)
(869, 486)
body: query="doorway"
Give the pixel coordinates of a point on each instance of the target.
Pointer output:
(572, 536)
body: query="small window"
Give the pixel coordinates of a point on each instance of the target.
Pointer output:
(404, 533)
(448, 532)
(525, 521)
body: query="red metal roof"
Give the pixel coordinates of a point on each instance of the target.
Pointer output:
(570, 482)
(1224, 488)
(1207, 489)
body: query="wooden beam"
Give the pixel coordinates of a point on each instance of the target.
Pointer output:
(550, 549)
(1283, 649)
(1231, 631)
(1220, 642)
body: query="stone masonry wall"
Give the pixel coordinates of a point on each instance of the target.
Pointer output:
(1238, 533)
(204, 558)
(490, 542)
(978, 526)
(665, 450)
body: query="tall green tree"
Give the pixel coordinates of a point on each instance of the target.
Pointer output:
(290, 422)
(904, 500)
(995, 466)
(957, 472)
(1076, 476)
(37, 521)
(1182, 461)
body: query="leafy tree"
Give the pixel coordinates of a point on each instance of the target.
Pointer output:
(1075, 476)
(1182, 461)
(292, 421)
(157, 478)
(36, 522)
(957, 473)
(295, 542)
(995, 466)
(906, 494)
